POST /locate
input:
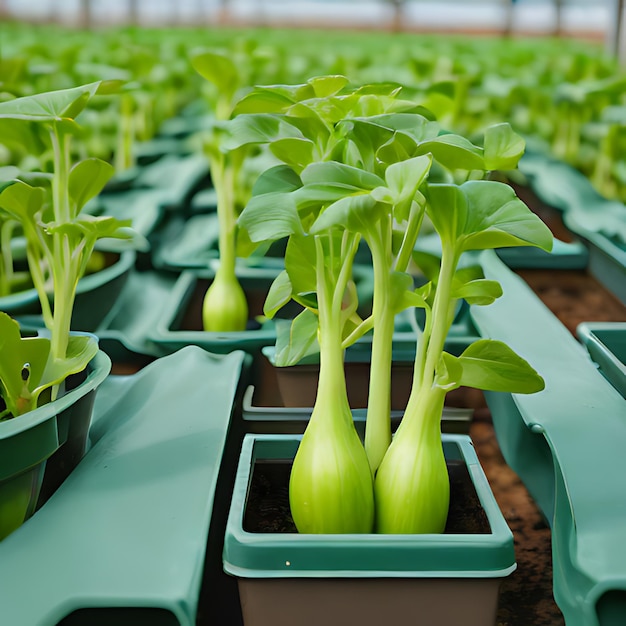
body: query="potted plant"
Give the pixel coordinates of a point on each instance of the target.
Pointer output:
(60, 241)
(381, 173)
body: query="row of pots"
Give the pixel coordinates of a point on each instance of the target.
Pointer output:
(148, 321)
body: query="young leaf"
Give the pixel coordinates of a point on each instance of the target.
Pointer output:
(21, 201)
(493, 366)
(80, 350)
(22, 365)
(279, 294)
(503, 147)
(219, 69)
(49, 106)
(301, 340)
(270, 216)
(356, 213)
(86, 180)
(484, 214)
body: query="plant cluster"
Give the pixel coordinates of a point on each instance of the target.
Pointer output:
(366, 164)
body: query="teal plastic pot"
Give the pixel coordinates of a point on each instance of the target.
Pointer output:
(296, 385)
(180, 323)
(290, 578)
(95, 295)
(32, 446)
(606, 343)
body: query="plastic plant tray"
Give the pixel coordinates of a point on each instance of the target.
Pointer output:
(567, 444)
(124, 539)
(606, 343)
(600, 223)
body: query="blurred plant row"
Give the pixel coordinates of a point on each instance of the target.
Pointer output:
(563, 96)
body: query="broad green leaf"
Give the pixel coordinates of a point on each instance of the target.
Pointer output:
(278, 295)
(262, 101)
(86, 180)
(454, 152)
(219, 69)
(270, 216)
(493, 366)
(49, 106)
(301, 340)
(22, 364)
(357, 213)
(497, 217)
(256, 128)
(484, 214)
(21, 201)
(279, 178)
(479, 292)
(325, 86)
(296, 152)
(503, 147)
(331, 172)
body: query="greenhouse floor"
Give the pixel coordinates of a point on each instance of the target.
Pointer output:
(525, 596)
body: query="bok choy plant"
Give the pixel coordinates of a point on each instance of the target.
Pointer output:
(383, 167)
(59, 238)
(225, 307)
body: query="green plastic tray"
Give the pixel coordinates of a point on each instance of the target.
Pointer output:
(124, 539)
(567, 444)
(606, 343)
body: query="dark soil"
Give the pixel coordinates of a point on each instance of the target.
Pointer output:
(267, 509)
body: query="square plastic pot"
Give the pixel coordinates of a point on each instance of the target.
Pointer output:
(369, 579)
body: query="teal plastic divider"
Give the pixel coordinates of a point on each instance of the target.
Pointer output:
(567, 444)
(124, 538)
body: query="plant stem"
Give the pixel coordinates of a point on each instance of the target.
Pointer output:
(433, 339)
(378, 423)
(416, 216)
(63, 271)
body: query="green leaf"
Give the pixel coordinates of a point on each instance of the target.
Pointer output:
(15, 354)
(278, 295)
(22, 201)
(402, 295)
(484, 214)
(296, 152)
(300, 260)
(270, 216)
(86, 180)
(454, 152)
(357, 213)
(404, 179)
(279, 178)
(256, 128)
(331, 172)
(219, 69)
(503, 147)
(95, 227)
(301, 340)
(81, 349)
(325, 86)
(479, 292)
(49, 106)
(493, 366)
